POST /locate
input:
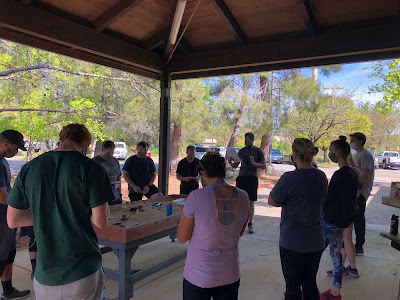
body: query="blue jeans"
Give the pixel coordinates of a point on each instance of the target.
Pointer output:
(334, 238)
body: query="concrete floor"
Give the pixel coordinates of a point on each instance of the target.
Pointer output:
(260, 263)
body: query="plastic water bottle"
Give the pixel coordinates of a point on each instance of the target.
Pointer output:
(169, 208)
(104, 294)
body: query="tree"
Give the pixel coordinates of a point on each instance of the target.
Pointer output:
(390, 86)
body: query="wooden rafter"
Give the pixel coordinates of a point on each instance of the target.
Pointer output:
(114, 13)
(157, 39)
(334, 45)
(308, 14)
(25, 1)
(224, 11)
(42, 25)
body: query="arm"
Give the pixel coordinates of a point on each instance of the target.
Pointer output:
(233, 164)
(244, 227)
(181, 178)
(260, 165)
(272, 202)
(185, 229)
(364, 177)
(100, 215)
(3, 195)
(119, 188)
(19, 217)
(128, 179)
(152, 178)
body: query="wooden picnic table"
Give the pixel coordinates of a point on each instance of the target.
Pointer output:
(145, 225)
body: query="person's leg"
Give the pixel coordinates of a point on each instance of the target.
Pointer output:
(193, 292)
(135, 197)
(293, 264)
(252, 207)
(349, 249)
(154, 192)
(335, 250)
(226, 292)
(309, 282)
(359, 225)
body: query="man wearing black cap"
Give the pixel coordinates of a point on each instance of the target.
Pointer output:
(10, 141)
(252, 159)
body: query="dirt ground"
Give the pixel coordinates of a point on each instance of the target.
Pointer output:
(264, 182)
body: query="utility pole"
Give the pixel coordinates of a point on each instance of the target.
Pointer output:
(271, 117)
(333, 88)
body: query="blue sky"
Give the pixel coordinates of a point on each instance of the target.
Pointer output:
(355, 79)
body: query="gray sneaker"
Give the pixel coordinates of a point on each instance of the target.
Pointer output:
(352, 272)
(251, 229)
(16, 295)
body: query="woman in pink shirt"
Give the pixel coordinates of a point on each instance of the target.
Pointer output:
(213, 220)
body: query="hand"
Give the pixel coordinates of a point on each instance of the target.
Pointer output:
(137, 189)
(196, 178)
(187, 179)
(251, 159)
(146, 190)
(231, 160)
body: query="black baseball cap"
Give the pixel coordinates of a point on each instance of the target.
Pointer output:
(14, 137)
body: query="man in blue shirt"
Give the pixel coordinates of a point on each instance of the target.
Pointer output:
(10, 141)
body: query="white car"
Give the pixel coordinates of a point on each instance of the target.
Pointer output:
(121, 150)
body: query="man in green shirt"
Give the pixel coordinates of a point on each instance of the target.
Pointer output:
(64, 194)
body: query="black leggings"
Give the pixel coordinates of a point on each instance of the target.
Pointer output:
(224, 292)
(300, 270)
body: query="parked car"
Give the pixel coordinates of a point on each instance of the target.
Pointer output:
(388, 159)
(121, 150)
(376, 162)
(276, 156)
(201, 150)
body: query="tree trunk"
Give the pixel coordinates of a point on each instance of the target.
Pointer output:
(176, 134)
(325, 150)
(240, 115)
(93, 147)
(315, 74)
(29, 152)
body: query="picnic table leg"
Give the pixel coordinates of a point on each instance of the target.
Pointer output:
(125, 285)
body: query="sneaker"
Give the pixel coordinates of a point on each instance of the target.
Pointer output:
(16, 295)
(330, 272)
(251, 229)
(352, 272)
(359, 251)
(327, 295)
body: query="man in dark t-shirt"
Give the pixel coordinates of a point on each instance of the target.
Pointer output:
(139, 172)
(112, 168)
(187, 172)
(10, 141)
(252, 159)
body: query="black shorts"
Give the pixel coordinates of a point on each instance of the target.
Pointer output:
(249, 184)
(7, 246)
(137, 196)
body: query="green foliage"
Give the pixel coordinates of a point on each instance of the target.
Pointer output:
(328, 70)
(390, 86)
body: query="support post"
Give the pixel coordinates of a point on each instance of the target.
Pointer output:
(165, 121)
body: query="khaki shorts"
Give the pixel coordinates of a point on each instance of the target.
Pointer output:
(88, 288)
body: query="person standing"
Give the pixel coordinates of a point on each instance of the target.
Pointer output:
(187, 172)
(338, 211)
(10, 141)
(365, 160)
(252, 159)
(64, 194)
(213, 220)
(112, 168)
(139, 172)
(301, 194)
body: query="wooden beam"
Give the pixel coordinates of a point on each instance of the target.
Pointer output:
(308, 14)
(225, 12)
(363, 41)
(22, 38)
(114, 13)
(158, 39)
(39, 24)
(26, 2)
